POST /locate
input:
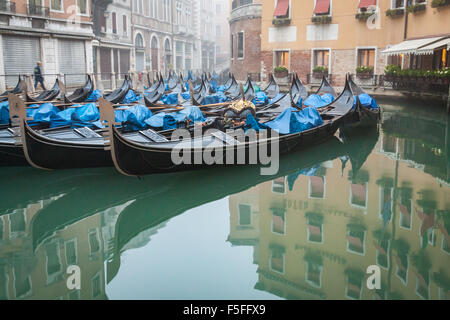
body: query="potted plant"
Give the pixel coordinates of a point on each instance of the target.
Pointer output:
(439, 3)
(320, 71)
(363, 15)
(279, 22)
(280, 72)
(364, 71)
(391, 71)
(395, 12)
(418, 7)
(321, 19)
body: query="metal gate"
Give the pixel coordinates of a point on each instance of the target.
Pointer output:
(20, 55)
(72, 61)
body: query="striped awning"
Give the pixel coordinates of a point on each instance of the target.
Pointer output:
(429, 49)
(282, 8)
(322, 6)
(367, 3)
(410, 46)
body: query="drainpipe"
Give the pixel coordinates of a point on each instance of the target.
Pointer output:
(407, 4)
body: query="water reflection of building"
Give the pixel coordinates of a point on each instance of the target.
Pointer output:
(319, 231)
(29, 272)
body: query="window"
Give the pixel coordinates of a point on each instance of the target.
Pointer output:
(82, 7)
(245, 214)
(281, 9)
(282, 59)
(321, 58)
(314, 273)
(96, 283)
(405, 213)
(114, 22)
(277, 258)
(56, 5)
(232, 46)
(382, 258)
(356, 240)
(138, 6)
(278, 224)
(166, 10)
(218, 31)
(354, 285)
(240, 45)
(322, 8)
(397, 4)
(366, 57)
(279, 185)
(218, 8)
(188, 16)
(402, 260)
(124, 25)
(358, 194)
(94, 243)
(153, 8)
(395, 60)
(179, 8)
(102, 23)
(314, 223)
(54, 267)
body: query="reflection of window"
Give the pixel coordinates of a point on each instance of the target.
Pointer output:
(279, 185)
(405, 213)
(321, 58)
(240, 46)
(431, 236)
(356, 240)
(317, 187)
(314, 268)
(17, 223)
(53, 260)
(22, 281)
(94, 243)
(277, 258)
(71, 252)
(385, 204)
(245, 212)
(423, 284)
(278, 224)
(74, 295)
(3, 283)
(389, 144)
(282, 59)
(96, 283)
(358, 194)
(382, 249)
(446, 244)
(354, 281)
(366, 57)
(314, 231)
(401, 272)
(2, 228)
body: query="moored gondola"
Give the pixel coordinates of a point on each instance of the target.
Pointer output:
(297, 92)
(154, 153)
(117, 95)
(364, 115)
(47, 95)
(154, 96)
(272, 89)
(80, 94)
(325, 87)
(19, 88)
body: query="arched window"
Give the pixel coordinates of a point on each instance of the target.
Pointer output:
(139, 41)
(114, 22)
(167, 53)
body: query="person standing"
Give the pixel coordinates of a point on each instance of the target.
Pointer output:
(38, 77)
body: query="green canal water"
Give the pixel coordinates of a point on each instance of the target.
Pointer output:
(367, 198)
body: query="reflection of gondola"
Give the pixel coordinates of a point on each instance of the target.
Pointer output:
(81, 94)
(47, 95)
(149, 157)
(17, 89)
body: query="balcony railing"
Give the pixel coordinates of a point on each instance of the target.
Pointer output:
(8, 6)
(39, 11)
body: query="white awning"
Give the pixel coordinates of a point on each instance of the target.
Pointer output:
(409, 46)
(429, 49)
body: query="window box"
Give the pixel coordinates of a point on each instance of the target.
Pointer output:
(364, 72)
(393, 13)
(279, 22)
(321, 19)
(280, 72)
(363, 16)
(439, 3)
(418, 7)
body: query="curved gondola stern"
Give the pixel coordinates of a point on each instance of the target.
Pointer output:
(18, 114)
(108, 119)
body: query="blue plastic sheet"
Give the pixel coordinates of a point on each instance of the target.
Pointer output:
(318, 101)
(168, 121)
(289, 121)
(213, 85)
(95, 95)
(221, 88)
(260, 99)
(367, 101)
(62, 118)
(171, 98)
(186, 95)
(85, 115)
(133, 117)
(215, 98)
(42, 114)
(4, 112)
(131, 97)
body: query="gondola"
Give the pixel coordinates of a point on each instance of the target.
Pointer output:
(117, 95)
(172, 81)
(363, 116)
(272, 89)
(198, 97)
(233, 90)
(325, 87)
(154, 154)
(17, 89)
(297, 91)
(154, 96)
(80, 94)
(47, 95)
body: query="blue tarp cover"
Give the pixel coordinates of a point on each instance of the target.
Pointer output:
(169, 120)
(131, 97)
(289, 121)
(367, 101)
(260, 99)
(215, 98)
(4, 112)
(186, 95)
(318, 101)
(95, 95)
(85, 115)
(41, 114)
(171, 98)
(134, 117)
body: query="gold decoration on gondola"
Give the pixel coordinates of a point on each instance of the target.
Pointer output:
(241, 105)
